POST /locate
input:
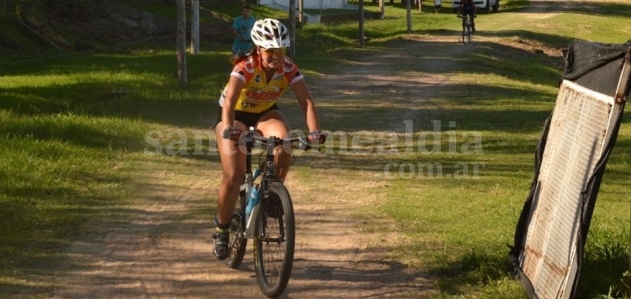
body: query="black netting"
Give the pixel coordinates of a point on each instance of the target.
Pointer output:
(594, 65)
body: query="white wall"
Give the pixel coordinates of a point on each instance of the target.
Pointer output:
(309, 4)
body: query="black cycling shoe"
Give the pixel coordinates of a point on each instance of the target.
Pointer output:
(222, 243)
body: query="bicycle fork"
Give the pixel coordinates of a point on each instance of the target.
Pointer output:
(250, 218)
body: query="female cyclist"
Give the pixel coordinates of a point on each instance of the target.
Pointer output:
(249, 99)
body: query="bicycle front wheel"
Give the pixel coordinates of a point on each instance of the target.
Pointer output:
(237, 228)
(469, 32)
(274, 241)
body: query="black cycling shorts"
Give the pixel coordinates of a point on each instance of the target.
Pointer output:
(247, 118)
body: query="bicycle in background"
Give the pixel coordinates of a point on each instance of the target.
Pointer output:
(264, 213)
(467, 28)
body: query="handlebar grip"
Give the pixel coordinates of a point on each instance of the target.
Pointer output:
(231, 133)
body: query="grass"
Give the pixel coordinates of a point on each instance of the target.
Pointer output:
(74, 130)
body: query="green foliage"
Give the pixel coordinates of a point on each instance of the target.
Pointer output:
(607, 251)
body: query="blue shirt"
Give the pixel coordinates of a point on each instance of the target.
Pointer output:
(243, 28)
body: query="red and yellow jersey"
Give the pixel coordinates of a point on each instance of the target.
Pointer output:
(257, 95)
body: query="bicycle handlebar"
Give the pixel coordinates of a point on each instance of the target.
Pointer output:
(252, 139)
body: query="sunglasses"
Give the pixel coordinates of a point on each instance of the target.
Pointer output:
(277, 51)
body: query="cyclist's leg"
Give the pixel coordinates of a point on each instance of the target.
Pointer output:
(472, 15)
(233, 168)
(273, 123)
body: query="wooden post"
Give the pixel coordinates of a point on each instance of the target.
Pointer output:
(361, 23)
(292, 27)
(181, 42)
(194, 27)
(301, 12)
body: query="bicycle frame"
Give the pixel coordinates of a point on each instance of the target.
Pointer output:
(268, 174)
(250, 177)
(270, 222)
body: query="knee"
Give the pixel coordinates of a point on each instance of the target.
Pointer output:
(283, 151)
(232, 181)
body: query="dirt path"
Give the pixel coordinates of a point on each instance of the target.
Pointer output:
(160, 246)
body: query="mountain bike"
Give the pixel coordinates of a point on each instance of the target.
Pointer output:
(467, 28)
(264, 213)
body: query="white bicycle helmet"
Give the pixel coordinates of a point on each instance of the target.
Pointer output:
(270, 33)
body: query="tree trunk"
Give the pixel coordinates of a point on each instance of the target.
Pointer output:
(181, 42)
(409, 14)
(292, 27)
(361, 23)
(194, 27)
(382, 8)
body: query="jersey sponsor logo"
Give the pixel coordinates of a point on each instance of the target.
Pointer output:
(267, 94)
(246, 104)
(257, 79)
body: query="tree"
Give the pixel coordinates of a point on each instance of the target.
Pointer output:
(361, 23)
(409, 15)
(292, 27)
(181, 42)
(194, 27)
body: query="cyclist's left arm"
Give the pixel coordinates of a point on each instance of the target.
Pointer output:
(306, 103)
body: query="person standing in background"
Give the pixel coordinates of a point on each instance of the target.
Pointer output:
(241, 28)
(437, 5)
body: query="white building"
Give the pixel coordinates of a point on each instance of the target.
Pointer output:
(309, 4)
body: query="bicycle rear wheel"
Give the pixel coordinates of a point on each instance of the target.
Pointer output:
(274, 241)
(237, 227)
